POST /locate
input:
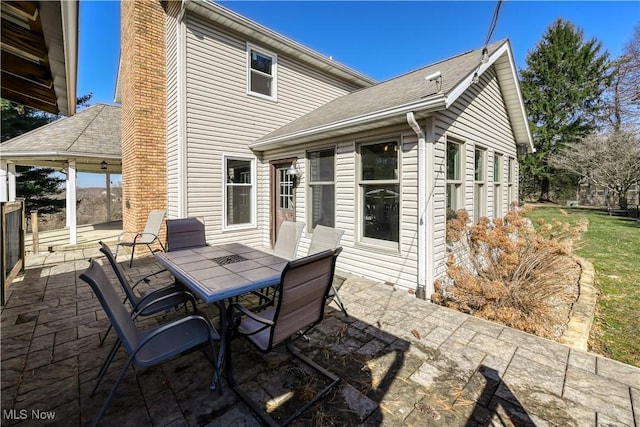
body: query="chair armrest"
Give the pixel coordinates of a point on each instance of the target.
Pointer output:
(146, 278)
(134, 234)
(251, 314)
(197, 317)
(149, 300)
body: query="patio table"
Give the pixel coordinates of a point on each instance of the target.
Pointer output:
(217, 273)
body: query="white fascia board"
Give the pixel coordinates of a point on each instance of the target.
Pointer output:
(57, 155)
(430, 104)
(69, 11)
(464, 84)
(523, 113)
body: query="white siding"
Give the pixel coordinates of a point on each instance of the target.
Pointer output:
(396, 266)
(221, 118)
(478, 117)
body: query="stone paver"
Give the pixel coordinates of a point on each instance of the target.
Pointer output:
(402, 362)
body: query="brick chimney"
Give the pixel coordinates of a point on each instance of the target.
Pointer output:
(142, 83)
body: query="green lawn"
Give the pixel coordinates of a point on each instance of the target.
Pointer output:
(612, 244)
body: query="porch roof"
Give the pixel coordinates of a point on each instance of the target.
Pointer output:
(89, 137)
(40, 54)
(388, 102)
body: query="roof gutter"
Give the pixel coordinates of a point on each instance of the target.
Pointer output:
(69, 12)
(56, 154)
(430, 104)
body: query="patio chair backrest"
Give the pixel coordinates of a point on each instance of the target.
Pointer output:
(324, 238)
(288, 238)
(118, 315)
(183, 233)
(303, 287)
(152, 227)
(122, 278)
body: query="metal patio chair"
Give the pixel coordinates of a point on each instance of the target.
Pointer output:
(148, 236)
(286, 246)
(160, 299)
(149, 347)
(302, 292)
(185, 233)
(324, 238)
(288, 238)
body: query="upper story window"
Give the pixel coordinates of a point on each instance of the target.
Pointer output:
(262, 69)
(454, 163)
(322, 199)
(379, 184)
(239, 192)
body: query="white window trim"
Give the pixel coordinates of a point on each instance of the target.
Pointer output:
(369, 241)
(511, 169)
(498, 193)
(459, 183)
(274, 57)
(254, 191)
(482, 183)
(310, 185)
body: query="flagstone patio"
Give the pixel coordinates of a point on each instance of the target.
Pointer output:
(402, 361)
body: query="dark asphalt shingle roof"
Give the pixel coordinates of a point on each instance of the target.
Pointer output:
(93, 132)
(405, 89)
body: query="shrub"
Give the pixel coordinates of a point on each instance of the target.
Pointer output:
(505, 271)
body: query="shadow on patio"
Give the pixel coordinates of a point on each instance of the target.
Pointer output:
(402, 362)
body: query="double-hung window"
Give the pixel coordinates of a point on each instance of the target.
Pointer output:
(379, 193)
(497, 185)
(479, 187)
(454, 175)
(239, 192)
(262, 69)
(321, 178)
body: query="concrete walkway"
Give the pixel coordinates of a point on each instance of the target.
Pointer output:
(403, 361)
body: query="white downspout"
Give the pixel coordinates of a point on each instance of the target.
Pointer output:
(422, 220)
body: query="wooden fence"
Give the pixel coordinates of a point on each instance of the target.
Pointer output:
(12, 248)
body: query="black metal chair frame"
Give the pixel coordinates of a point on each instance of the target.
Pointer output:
(269, 320)
(136, 341)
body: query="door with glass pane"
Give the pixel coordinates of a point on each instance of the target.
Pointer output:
(282, 195)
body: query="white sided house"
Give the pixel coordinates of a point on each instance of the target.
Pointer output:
(261, 129)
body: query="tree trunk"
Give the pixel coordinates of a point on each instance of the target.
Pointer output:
(544, 190)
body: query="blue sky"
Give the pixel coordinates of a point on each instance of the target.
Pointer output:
(381, 39)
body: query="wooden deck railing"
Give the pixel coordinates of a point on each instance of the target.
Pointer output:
(12, 253)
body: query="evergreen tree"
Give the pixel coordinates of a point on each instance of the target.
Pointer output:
(562, 90)
(18, 119)
(37, 185)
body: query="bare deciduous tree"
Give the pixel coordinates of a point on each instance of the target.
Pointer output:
(611, 161)
(623, 108)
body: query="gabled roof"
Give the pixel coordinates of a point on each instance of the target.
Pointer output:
(388, 102)
(40, 54)
(88, 137)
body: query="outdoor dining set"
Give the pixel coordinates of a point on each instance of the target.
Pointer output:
(290, 294)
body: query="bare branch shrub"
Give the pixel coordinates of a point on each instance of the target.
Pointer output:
(511, 274)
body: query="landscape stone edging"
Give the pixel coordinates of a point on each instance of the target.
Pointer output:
(581, 317)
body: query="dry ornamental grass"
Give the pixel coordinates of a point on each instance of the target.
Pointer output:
(505, 271)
